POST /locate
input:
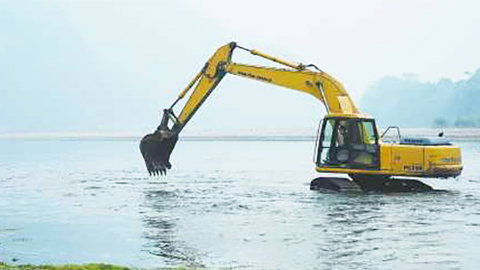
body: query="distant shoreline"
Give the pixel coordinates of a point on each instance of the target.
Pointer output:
(454, 134)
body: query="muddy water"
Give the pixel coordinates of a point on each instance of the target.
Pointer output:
(242, 204)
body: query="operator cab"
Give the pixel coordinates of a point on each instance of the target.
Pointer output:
(348, 143)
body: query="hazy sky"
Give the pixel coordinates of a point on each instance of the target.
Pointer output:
(112, 65)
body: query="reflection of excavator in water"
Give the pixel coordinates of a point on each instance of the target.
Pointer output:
(349, 142)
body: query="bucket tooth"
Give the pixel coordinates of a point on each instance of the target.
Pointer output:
(156, 149)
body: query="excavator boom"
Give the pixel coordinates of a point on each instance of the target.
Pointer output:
(157, 147)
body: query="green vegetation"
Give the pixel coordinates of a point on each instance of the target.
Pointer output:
(410, 103)
(90, 266)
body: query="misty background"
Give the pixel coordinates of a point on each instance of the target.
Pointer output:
(111, 66)
(409, 102)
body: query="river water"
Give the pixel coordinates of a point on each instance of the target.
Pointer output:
(240, 204)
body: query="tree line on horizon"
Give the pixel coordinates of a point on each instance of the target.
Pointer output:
(409, 102)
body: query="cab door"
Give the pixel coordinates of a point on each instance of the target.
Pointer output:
(348, 143)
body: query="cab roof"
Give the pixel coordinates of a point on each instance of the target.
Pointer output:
(349, 115)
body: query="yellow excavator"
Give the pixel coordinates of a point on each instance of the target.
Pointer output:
(349, 142)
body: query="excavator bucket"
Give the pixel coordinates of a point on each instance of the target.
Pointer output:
(157, 147)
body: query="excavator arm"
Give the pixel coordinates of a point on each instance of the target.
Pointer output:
(157, 147)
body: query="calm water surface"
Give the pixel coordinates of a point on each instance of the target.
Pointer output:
(244, 205)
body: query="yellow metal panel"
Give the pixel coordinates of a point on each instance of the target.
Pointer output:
(350, 115)
(319, 84)
(207, 82)
(202, 90)
(438, 158)
(408, 159)
(345, 104)
(385, 157)
(292, 79)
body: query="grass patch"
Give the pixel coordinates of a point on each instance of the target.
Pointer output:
(90, 266)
